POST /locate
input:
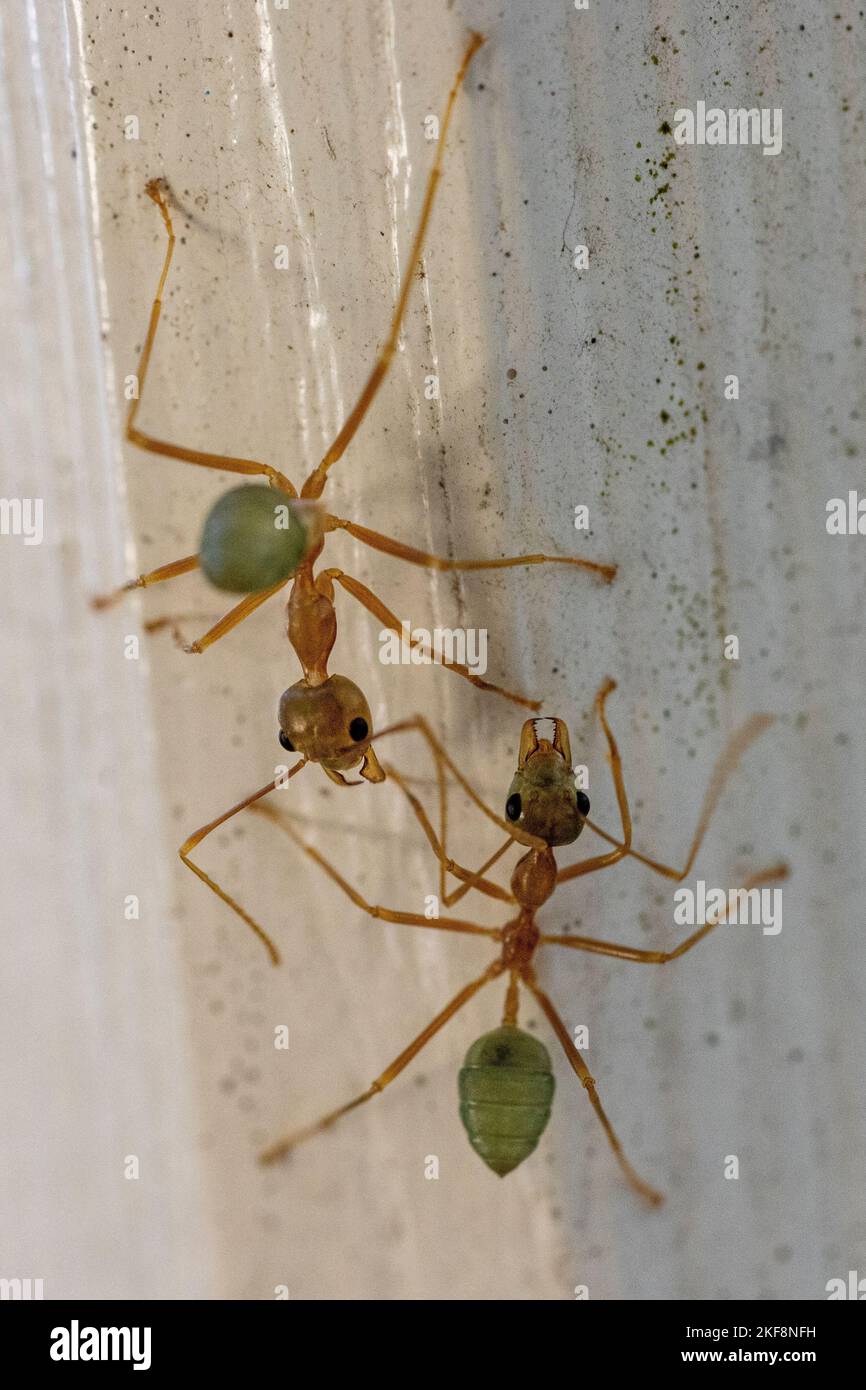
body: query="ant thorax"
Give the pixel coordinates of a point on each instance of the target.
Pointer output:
(312, 623)
(534, 878)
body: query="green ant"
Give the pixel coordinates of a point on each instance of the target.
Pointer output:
(506, 1083)
(257, 538)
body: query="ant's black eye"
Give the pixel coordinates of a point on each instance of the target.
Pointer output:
(286, 742)
(359, 728)
(513, 807)
(583, 803)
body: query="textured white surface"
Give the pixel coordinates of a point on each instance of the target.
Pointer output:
(305, 127)
(95, 1055)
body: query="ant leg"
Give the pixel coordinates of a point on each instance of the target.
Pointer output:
(650, 1194)
(384, 914)
(603, 861)
(144, 581)
(608, 948)
(285, 1145)
(173, 622)
(230, 620)
(473, 878)
(199, 835)
(442, 792)
(249, 467)
(726, 765)
(437, 844)
(436, 562)
(375, 606)
(234, 616)
(315, 483)
(470, 879)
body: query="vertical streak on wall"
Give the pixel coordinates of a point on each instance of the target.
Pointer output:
(89, 1084)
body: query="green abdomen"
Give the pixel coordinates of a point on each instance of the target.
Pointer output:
(506, 1092)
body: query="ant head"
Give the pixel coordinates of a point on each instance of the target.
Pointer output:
(542, 798)
(329, 724)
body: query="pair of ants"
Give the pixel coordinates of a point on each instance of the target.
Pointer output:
(256, 539)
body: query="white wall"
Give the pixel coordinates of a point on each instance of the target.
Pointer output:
(153, 1038)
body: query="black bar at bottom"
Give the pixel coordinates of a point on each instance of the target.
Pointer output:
(63, 1338)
